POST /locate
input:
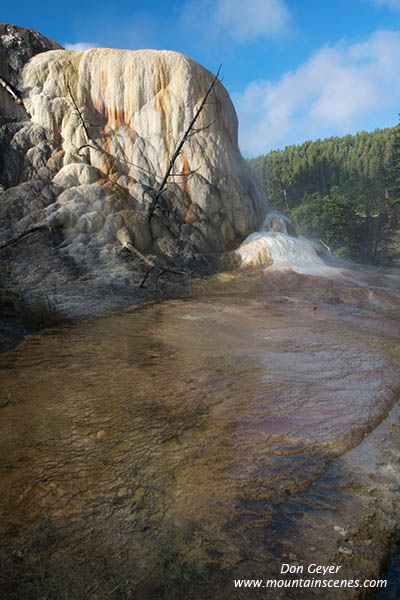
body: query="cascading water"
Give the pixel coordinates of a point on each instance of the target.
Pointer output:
(277, 246)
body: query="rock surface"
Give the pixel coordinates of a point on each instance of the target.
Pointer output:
(103, 125)
(17, 46)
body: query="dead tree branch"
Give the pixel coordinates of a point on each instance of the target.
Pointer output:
(145, 277)
(85, 146)
(140, 256)
(34, 229)
(325, 246)
(186, 174)
(15, 95)
(198, 129)
(180, 145)
(153, 266)
(82, 120)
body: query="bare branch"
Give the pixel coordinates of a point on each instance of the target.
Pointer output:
(34, 229)
(15, 95)
(325, 246)
(139, 255)
(153, 266)
(186, 174)
(180, 145)
(78, 111)
(146, 276)
(88, 146)
(197, 129)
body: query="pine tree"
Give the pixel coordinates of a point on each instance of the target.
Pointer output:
(347, 188)
(393, 180)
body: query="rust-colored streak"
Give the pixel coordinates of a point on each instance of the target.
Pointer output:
(109, 162)
(220, 118)
(228, 134)
(59, 135)
(116, 117)
(184, 179)
(103, 82)
(98, 104)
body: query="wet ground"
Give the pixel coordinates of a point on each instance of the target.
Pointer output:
(173, 447)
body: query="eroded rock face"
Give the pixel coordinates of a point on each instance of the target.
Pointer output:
(17, 46)
(103, 126)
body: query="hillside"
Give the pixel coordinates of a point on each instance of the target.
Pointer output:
(342, 192)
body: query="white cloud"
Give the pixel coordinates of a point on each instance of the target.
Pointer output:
(235, 20)
(80, 46)
(390, 3)
(246, 21)
(329, 94)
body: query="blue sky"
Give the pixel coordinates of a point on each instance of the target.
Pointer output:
(296, 70)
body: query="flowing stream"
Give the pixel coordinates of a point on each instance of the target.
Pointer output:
(170, 448)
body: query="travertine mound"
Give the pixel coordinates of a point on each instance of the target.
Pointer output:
(103, 126)
(135, 107)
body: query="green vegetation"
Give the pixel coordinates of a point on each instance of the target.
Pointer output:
(42, 313)
(10, 303)
(344, 191)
